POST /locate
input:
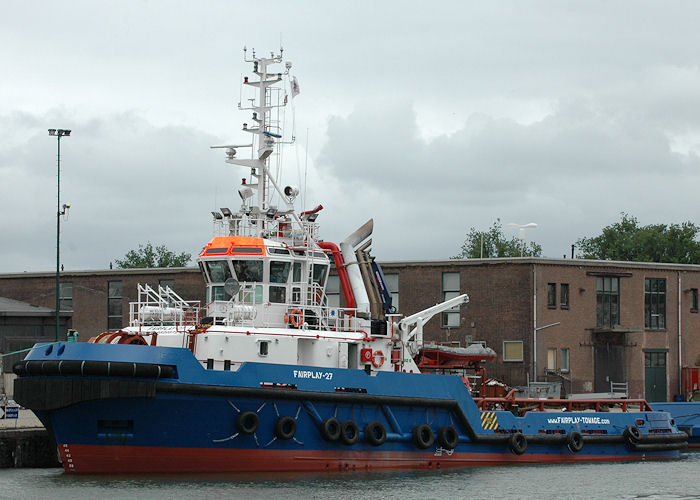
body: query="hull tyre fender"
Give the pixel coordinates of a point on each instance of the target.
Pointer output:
(423, 436)
(349, 432)
(285, 428)
(375, 433)
(632, 435)
(247, 422)
(330, 429)
(574, 441)
(448, 437)
(517, 443)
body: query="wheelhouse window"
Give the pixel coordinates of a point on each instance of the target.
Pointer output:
(319, 274)
(333, 291)
(655, 303)
(296, 272)
(248, 271)
(607, 301)
(219, 271)
(450, 290)
(551, 295)
(65, 296)
(278, 294)
(114, 305)
(564, 296)
(279, 271)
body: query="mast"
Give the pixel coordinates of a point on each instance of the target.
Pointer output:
(266, 136)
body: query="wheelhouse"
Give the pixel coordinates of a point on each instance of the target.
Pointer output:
(263, 273)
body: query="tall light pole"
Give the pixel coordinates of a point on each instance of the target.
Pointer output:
(58, 133)
(522, 228)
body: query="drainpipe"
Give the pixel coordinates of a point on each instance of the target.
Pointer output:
(680, 337)
(534, 324)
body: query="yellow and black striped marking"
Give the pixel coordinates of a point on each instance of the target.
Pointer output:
(489, 420)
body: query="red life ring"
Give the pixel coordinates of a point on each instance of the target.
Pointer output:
(377, 359)
(296, 317)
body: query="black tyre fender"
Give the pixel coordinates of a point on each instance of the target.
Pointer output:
(448, 437)
(285, 428)
(632, 435)
(349, 432)
(247, 422)
(574, 441)
(375, 433)
(330, 429)
(517, 443)
(423, 436)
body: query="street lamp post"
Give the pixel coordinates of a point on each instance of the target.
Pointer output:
(59, 212)
(522, 228)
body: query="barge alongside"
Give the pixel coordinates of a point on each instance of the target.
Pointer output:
(269, 376)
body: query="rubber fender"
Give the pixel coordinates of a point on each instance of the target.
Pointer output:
(574, 441)
(247, 422)
(448, 437)
(423, 436)
(330, 429)
(517, 443)
(285, 428)
(349, 432)
(375, 433)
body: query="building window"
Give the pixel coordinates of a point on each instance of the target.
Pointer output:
(65, 296)
(552, 359)
(694, 300)
(607, 301)
(655, 303)
(450, 290)
(167, 284)
(392, 283)
(512, 350)
(551, 295)
(114, 305)
(564, 360)
(564, 296)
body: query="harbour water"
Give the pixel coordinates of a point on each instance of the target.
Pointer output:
(677, 479)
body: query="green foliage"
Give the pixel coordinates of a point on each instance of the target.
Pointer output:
(495, 244)
(149, 256)
(628, 241)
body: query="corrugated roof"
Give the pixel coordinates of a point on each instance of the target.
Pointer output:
(10, 307)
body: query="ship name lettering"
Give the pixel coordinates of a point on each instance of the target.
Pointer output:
(578, 420)
(313, 374)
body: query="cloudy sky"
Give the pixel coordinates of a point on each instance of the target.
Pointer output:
(430, 117)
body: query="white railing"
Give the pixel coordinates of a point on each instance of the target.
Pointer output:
(162, 308)
(268, 227)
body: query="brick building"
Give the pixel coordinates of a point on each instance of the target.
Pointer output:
(589, 322)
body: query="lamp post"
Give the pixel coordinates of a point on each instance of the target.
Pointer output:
(58, 133)
(522, 228)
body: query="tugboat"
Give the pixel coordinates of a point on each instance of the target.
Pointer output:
(268, 376)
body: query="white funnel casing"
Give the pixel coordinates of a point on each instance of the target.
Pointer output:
(347, 247)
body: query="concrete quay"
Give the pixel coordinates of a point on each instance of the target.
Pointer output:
(24, 442)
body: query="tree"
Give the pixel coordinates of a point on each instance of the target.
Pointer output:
(148, 256)
(628, 241)
(495, 244)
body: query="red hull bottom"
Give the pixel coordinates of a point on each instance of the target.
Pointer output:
(94, 459)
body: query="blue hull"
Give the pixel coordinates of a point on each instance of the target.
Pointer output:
(123, 408)
(686, 416)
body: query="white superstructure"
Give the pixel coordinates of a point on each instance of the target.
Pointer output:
(266, 272)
